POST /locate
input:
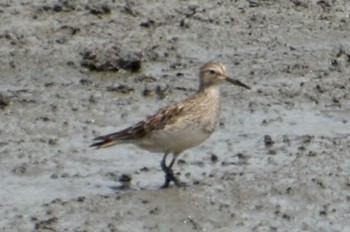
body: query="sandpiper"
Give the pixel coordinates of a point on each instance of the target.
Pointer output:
(179, 126)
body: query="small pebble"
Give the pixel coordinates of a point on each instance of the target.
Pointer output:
(214, 158)
(125, 178)
(268, 140)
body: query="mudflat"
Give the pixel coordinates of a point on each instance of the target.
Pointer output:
(73, 70)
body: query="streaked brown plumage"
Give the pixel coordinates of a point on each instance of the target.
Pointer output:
(179, 126)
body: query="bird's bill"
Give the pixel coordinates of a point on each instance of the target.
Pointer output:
(237, 82)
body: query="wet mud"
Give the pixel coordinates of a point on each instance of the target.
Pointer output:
(73, 70)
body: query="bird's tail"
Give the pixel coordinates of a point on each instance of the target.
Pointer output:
(105, 141)
(124, 136)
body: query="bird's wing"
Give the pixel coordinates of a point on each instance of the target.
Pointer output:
(163, 117)
(166, 116)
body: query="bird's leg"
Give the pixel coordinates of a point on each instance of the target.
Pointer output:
(172, 162)
(169, 174)
(165, 170)
(163, 162)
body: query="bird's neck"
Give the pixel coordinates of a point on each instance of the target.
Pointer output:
(212, 91)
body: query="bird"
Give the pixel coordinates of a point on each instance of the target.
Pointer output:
(178, 126)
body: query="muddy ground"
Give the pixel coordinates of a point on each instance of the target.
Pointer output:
(72, 70)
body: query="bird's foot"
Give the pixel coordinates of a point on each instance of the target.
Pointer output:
(169, 176)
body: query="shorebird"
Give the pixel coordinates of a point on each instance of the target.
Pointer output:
(179, 126)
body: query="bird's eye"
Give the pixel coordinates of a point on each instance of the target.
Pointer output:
(211, 71)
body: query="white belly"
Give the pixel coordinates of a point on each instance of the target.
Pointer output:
(174, 140)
